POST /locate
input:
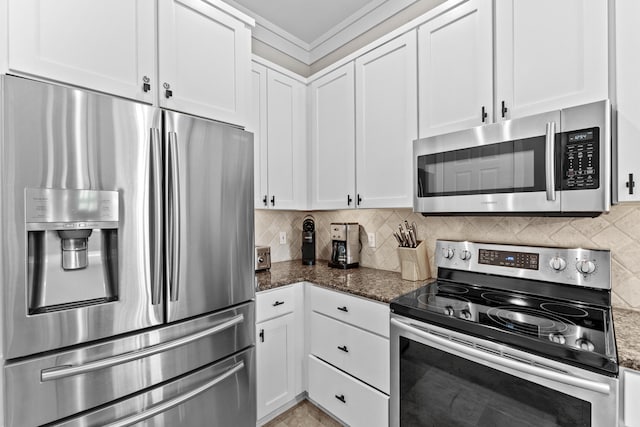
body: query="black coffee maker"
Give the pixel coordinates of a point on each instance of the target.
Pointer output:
(308, 241)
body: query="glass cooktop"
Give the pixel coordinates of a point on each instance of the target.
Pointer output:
(577, 333)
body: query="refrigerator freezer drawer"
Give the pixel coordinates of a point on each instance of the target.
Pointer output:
(72, 381)
(218, 395)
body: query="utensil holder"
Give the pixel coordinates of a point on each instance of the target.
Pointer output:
(414, 262)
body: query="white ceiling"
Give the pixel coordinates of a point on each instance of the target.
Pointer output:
(310, 29)
(307, 20)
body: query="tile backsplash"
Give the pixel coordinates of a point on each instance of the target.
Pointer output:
(619, 231)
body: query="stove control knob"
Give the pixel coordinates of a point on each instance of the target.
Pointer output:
(465, 314)
(585, 344)
(448, 253)
(586, 266)
(465, 255)
(448, 310)
(557, 263)
(557, 338)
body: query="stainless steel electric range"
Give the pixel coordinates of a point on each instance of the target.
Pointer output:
(506, 335)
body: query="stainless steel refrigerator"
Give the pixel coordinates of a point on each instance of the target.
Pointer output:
(126, 263)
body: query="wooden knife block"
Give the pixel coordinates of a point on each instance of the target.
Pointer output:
(414, 262)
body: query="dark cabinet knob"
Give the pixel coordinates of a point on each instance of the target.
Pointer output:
(484, 114)
(343, 348)
(273, 200)
(343, 308)
(349, 200)
(264, 200)
(341, 398)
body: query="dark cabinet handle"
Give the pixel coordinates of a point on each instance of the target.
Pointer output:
(264, 200)
(146, 84)
(349, 200)
(484, 114)
(273, 200)
(341, 398)
(261, 335)
(631, 183)
(277, 303)
(168, 93)
(359, 199)
(343, 308)
(504, 110)
(343, 348)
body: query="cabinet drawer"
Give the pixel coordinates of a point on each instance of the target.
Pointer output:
(348, 399)
(631, 396)
(370, 315)
(270, 304)
(360, 353)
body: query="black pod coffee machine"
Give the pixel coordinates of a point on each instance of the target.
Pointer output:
(308, 241)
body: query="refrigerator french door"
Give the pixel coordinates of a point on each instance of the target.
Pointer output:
(117, 219)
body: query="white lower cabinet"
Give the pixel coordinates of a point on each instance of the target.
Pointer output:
(630, 398)
(278, 348)
(332, 344)
(350, 400)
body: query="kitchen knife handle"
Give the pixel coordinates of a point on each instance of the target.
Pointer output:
(156, 217)
(174, 217)
(550, 163)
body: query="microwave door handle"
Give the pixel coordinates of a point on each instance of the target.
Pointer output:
(156, 217)
(165, 406)
(550, 161)
(524, 368)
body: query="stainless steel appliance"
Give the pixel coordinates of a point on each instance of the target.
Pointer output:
(263, 258)
(557, 163)
(507, 335)
(126, 262)
(345, 245)
(308, 241)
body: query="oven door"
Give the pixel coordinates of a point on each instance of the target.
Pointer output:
(444, 378)
(502, 167)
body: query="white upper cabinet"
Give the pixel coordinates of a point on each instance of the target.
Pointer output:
(204, 61)
(387, 123)
(550, 54)
(628, 99)
(105, 45)
(455, 63)
(286, 139)
(258, 125)
(278, 122)
(332, 154)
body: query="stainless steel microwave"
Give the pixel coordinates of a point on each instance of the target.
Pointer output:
(555, 163)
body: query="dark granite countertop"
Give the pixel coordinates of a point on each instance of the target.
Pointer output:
(627, 327)
(381, 285)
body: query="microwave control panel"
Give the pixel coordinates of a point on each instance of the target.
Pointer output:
(580, 159)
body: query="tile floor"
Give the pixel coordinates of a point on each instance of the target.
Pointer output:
(304, 414)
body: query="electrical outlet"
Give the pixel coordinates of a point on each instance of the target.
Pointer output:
(372, 239)
(283, 237)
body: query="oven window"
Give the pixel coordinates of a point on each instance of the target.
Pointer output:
(440, 389)
(506, 167)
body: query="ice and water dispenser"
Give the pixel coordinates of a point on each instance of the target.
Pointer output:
(72, 243)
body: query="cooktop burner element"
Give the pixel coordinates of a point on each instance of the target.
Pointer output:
(567, 318)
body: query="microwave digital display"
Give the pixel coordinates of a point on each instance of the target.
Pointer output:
(580, 160)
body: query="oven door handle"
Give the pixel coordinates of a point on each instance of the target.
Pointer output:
(503, 361)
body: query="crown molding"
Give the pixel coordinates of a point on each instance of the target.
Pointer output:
(345, 31)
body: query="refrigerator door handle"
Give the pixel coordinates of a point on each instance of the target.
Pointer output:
(156, 217)
(165, 406)
(174, 217)
(64, 371)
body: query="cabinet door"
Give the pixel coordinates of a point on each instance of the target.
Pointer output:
(258, 125)
(628, 98)
(631, 397)
(333, 140)
(275, 363)
(104, 45)
(455, 65)
(286, 139)
(387, 123)
(204, 61)
(550, 54)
